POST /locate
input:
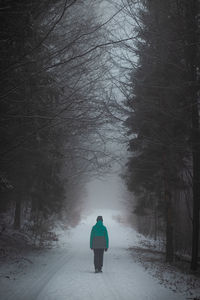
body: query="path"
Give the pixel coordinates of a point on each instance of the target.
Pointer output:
(69, 273)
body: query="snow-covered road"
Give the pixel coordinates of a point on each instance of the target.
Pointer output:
(67, 272)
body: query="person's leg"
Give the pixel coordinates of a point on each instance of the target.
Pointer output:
(95, 259)
(101, 251)
(98, 258)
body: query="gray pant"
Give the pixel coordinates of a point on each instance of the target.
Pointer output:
(98, 258)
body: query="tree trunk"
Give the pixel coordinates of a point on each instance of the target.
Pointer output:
(169, 228)
(192, 12)
(196, 187)
(155, 222)
(17, 218)
(169, 251)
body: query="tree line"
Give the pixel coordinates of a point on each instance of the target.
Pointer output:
(163, 168)
(49, 108)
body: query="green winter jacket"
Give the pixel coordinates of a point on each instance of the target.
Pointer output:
(99, 236)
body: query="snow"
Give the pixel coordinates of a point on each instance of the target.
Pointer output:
(67, 271)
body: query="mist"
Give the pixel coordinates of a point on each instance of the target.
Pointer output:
(106, 193)
(100, 149)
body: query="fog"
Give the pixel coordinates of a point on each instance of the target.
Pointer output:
(98, 97)
(108, 193)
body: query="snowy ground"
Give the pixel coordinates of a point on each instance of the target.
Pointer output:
(67, 272)
(176, 276)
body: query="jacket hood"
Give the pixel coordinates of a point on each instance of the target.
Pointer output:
(99, 222)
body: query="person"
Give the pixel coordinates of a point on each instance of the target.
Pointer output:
(98, 243)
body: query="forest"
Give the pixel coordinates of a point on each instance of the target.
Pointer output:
(50, 109)
(62, 69)
(163, 169)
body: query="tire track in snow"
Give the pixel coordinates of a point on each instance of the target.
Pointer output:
(32, 291)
